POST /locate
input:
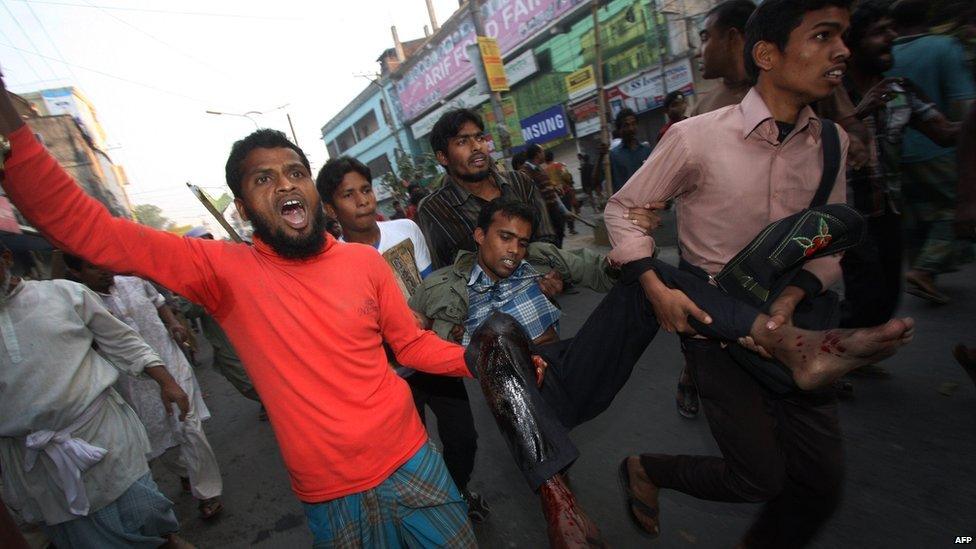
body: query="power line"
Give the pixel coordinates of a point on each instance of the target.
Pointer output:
(29, 39)
(166, 12)
(109, 75)
(160, 40)
(53, 44)
(24, 59)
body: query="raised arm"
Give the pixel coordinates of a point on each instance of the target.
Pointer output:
(73, 221)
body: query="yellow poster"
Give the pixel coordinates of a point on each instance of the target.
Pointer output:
(580, 83)
(491, 56)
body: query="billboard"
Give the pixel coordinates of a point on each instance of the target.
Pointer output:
(646, 91)
(517, 69)
(445, 67)
(580, 83)
(545, 126)
(491, 56)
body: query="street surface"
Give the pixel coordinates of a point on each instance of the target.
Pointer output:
(911, 444)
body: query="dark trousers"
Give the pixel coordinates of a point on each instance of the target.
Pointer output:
(448, 399)
(558, 223)
(873, 273)
(586, 372)
(785, 451)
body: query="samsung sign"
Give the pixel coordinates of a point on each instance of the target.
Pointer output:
(545, 126)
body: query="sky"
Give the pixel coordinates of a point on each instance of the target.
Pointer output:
(153, 69)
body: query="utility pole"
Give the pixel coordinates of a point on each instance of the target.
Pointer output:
(662, 37)
(294, 136)
(496, 97)
(600, 95)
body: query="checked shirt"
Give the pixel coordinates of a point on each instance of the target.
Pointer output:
(518, 295)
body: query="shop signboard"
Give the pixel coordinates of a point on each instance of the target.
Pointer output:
(586, 116)
(491, 57)
(580, 83)
(646, 91)
(445, 67)
(545, 126)
(517, 69)
(511, 122)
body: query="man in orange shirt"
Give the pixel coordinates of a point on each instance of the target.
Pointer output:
(308, 316)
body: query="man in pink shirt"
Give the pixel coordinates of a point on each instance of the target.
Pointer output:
(731, 173)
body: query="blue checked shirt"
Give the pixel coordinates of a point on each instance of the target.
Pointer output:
(518, 295)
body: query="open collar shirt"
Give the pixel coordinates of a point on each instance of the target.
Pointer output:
(519, 295)
(730, 177)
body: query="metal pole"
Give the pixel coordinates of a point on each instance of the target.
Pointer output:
(662, 49)
(601, 96)
(496, 98)
(292, 126)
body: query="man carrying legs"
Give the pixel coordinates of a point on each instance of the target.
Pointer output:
(784, 450)
(495, 296)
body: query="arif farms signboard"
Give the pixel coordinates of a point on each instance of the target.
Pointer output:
(445, 67)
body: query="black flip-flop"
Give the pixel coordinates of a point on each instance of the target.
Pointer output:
(630, 502)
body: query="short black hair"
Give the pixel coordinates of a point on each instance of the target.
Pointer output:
(732, 14)
(260, 139)
(672, 97)
(618, 121)
(864, 15)
(533, 150)
(511, 208)
(549, 155)
(330, 176)
(517, 160)
(774, 20)
(448, 126)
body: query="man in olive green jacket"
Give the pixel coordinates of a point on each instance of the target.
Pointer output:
(443, 296)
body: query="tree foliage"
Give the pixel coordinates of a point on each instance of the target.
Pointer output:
(152, 216)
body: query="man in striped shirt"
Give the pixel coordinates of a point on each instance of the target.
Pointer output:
(449, 215)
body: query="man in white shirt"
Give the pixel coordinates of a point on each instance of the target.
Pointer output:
(72, 452)
(136, 302)
(345, 185)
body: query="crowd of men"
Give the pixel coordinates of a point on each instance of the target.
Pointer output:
(831, 129)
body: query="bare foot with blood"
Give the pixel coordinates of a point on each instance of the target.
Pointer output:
(817, 358)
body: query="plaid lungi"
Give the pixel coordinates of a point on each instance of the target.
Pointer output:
(141, 517)
(417, 506)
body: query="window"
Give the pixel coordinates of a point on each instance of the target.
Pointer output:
(379, 166)
(333, 149)
(366, 125)
(345, 140)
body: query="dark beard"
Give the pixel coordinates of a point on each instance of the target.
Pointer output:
(474, 177)
(287, 246)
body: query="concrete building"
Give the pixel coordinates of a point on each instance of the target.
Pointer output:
(370, 127)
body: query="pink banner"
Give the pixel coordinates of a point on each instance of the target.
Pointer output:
(446, 67)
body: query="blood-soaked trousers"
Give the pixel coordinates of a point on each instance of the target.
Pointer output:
(586, 372)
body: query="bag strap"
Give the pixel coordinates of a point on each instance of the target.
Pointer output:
(830, 144)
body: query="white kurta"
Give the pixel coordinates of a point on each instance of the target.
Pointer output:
(49, 375)
(135, 301)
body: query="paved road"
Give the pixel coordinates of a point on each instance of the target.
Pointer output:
(911, 472)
